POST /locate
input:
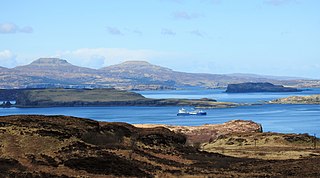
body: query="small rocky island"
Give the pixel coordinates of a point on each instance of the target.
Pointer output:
(258, 87)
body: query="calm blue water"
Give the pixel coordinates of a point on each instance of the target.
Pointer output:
(277, 118)
(221, 95)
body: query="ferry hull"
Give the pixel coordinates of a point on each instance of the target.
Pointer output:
(190, 114)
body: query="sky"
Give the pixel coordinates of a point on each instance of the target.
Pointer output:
(270, 37)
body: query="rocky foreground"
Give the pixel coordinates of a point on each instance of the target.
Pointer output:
(313, 99)
(61, 146)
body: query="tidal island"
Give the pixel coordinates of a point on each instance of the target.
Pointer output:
(249, 87)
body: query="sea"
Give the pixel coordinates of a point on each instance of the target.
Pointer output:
(273, 117)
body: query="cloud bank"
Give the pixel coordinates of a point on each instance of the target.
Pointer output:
(100, 57)
(7, 59)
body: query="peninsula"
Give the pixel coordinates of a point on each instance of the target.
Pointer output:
(98, 97)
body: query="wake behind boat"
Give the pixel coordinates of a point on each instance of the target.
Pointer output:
(184, 112)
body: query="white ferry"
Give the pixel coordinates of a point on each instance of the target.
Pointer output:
(184, 112)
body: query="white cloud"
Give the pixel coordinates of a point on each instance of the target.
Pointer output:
(7, 59)
(114, 31)
(279, 2)
(138, 32)
(6, 28)
(100, 57)
(175, 1)
(198, 33)
(26, 29)
(212, 1)
(166, 31)
(134, 31)
(185, 15)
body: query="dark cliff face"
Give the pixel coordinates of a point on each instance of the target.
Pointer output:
(258, 87)
(9, 95)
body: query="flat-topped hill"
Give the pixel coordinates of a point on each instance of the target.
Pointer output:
(50, 62)
(258, 87)
(45, 66)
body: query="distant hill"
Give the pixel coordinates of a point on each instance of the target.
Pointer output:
(50, 73)
(144, 72)
(58, 70)
(139, 69)
(139, 75)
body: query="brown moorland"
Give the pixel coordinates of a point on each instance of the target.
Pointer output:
(61, 146)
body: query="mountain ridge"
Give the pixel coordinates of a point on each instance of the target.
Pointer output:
(140, 75)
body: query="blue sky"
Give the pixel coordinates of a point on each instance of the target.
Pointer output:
(275, 37)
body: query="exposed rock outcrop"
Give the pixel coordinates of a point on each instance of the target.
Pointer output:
(208, 132)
